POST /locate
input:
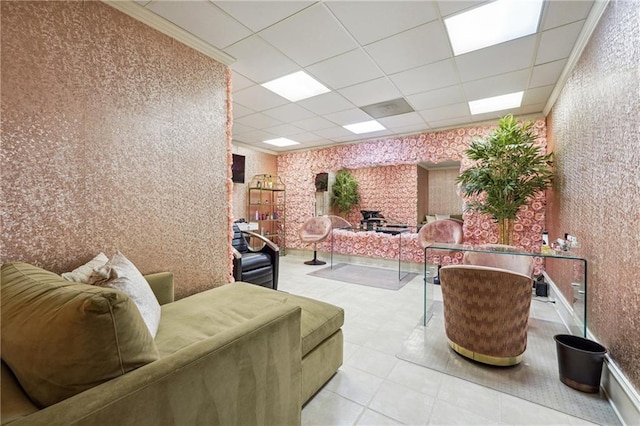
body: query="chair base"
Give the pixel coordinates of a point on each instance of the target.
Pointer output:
(506, 361)
(315, 260)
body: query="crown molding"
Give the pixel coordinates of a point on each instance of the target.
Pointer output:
(587, 30)
(158, 23)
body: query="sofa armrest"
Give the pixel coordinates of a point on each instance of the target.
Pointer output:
(248, 374)
(161, 284)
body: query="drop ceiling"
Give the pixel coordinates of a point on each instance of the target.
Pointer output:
(368, 52)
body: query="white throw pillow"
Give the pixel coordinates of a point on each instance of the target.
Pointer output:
(82, 273)
(431, 218)
(120, 274)
(443, 216)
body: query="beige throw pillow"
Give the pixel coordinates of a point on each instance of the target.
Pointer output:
(120, 274)
(61, 338)
(82, 273)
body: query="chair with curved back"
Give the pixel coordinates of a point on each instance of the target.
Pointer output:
(252, 265)
(486, 311)
(440, 231)
(511, 262)
(315, 230)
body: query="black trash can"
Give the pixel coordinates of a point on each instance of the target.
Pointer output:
(580, 362)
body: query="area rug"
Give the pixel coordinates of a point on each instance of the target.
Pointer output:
(535, 379)
(365, 275)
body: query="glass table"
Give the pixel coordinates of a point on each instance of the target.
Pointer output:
(391, 230)
(562, 255)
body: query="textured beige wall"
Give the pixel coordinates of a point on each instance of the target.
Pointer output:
(443, 198)
(113, 137)
(423, 193)
(256, 163)
(595, 133)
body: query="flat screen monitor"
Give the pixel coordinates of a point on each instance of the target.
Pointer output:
(237, 168)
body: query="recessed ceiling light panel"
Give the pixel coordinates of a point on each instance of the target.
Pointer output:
(496, 103)
(493, 23)
(296, 86)
(281, 142)
(364, 127)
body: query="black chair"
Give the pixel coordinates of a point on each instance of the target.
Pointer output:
(255, 266)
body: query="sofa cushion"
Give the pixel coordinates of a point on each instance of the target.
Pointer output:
(60, 338)
(205, 314)
(120, 274)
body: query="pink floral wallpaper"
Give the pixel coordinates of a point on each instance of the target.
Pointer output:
(397, 157)
(114, 137)
(594, 131)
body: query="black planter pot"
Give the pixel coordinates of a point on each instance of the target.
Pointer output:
(579, 362)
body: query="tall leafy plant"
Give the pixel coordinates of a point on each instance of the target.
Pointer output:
(509, 169)
(345, 192)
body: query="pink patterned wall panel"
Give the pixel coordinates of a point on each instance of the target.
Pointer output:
(593, 129)
(298, 169)
(113, 137)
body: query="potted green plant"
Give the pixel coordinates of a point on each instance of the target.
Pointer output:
(345, 192)
(509, 169)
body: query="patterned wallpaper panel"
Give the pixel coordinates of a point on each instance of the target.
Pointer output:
(595, 133)
(113, 137)
(298, 169)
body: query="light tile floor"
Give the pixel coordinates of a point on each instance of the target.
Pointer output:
(373, 387)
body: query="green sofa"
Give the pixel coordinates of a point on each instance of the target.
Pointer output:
(239, 354)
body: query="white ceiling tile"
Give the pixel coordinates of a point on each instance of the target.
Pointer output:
(370, 92)
(239, 128)
(558, 42)
(259, 98)
(305, 137)
(451, 122)
(202, 19)
(349, 116)
(435, 98)
(258, 121)
(448, 7)
(505, 57)
(259, 61)
(364, 136)
(326, 103)
(422, 45)
(414, 128)
(283, 130)
(289, 112)
(538, 95)
(345, 70)
(494, 115)
(373, 20)
(402, 120)
(240, 110)
(313, 123)
(255, 136)
(426, 78)
(445, 112)
(239, 82)
(546, 74)
(333, 132)
(318, 36)
(531, 109)
(561, 12)
(260, 14)
(498, 85)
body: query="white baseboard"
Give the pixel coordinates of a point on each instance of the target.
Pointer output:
(623, 397)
